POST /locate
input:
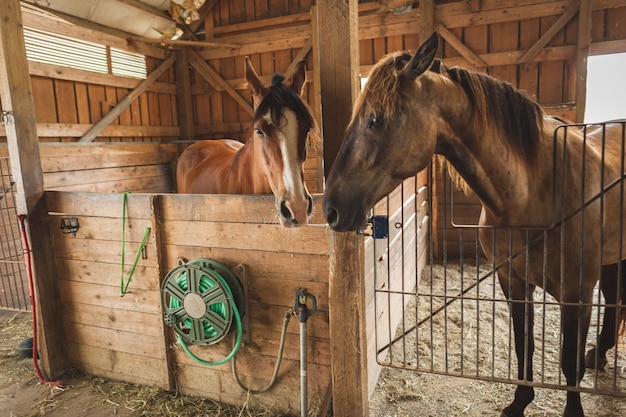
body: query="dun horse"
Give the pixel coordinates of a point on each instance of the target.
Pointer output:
(271, 161)
(539, 231)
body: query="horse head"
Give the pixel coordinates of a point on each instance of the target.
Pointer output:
(378, 150)
(281, 125)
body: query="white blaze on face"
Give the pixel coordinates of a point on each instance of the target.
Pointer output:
(288, 135)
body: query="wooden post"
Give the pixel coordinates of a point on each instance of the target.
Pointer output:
(338, 43)
(427, 19)
(583, 45)
(183, 94)
(337, 46)
(18, 111)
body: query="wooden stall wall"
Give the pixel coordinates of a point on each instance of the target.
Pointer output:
(125, 338)
(68, 101)
(107, 167)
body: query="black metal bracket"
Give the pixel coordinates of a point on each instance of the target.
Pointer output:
(69, 225)
(379, 228)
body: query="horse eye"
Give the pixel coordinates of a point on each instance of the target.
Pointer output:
(259, 132)
(374, 121)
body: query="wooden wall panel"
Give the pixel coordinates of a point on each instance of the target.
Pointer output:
(112, 336)
(104, 167)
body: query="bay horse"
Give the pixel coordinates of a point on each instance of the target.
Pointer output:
(272, 159)
(538, 230)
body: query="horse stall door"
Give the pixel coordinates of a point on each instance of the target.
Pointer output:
(438, 307)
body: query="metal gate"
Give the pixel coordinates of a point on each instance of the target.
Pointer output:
(439, 307)
(14, 293)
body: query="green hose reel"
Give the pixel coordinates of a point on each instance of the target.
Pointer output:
(200, 299)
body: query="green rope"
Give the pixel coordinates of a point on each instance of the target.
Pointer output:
(124, 283)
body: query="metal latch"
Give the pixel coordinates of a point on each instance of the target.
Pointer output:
(378, 227)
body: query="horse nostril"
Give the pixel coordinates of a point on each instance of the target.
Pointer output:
(310, 208)
(332, 216)
(284, 210)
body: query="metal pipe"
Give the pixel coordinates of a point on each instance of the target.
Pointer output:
(303, 371)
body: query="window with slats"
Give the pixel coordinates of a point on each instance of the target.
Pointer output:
(54, 49)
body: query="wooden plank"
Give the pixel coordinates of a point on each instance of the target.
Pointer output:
(273, 237)
(108, 273)
(76, 130)
(468, 54)
(117, 365)
(219, 384)
(148, 302)
(106, 228)
(551, 72)
(17, 102)
(528, 72)
(583, 45)
(89, 77)
(124, 103)
(504, 37)
(559, 24)
(281, 265)
(213, 77)
(219, 208)
(90, 177)
(117, 320)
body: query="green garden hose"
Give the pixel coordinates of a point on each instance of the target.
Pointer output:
(199, 305)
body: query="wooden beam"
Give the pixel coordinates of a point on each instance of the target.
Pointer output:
(146, 8)
(553, 30)
(183, 94)
(56, 72)
(20, 123)
(583, 46)
(193, 43)
(304, 51)
(338, 49)
(465, 52)
(427, 19)
(127, 101)
(214, 78)
(77, 130)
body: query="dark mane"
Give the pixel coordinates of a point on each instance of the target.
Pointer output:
(279, 96)
(500, 107)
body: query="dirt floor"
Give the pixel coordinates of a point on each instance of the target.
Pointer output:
(399, 393)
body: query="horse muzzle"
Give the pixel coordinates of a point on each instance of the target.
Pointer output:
(343, 220)
(296, 214)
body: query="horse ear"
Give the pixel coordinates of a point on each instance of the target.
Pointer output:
(298, 77)
(254, 83)
(422, 59)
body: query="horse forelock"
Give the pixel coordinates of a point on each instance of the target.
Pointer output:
(382, 93)
(502, 111)
(280, 96)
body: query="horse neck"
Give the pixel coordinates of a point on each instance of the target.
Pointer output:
(494, 173)
(248, 171)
